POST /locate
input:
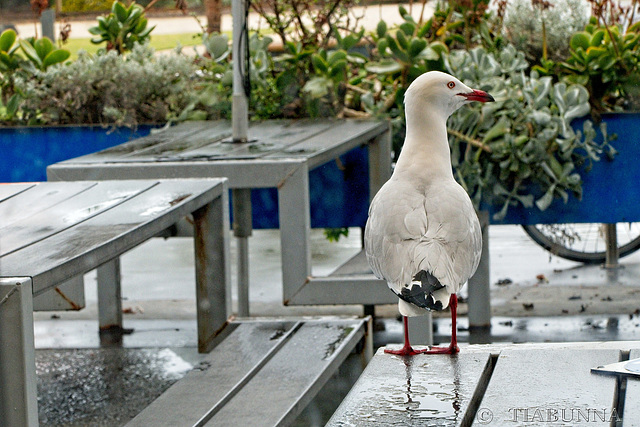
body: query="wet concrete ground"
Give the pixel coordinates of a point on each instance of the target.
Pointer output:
(82, 384)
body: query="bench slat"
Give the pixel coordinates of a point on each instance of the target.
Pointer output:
(267, 137)
(339, 137)
(262, 374)
(288, 382)
(94, 241)
(422, 390)
(536, 385)
(631, 412)
(32, 201)
(141, 144)
(186, 401)
(79, 205)
(7, 191)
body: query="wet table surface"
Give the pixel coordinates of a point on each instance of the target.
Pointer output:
(526, 384)
(52, 232)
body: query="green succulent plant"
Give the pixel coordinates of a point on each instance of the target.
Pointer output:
(606, 60)
(42, 52)
(9, 61)
(122, 28)
(335, 69)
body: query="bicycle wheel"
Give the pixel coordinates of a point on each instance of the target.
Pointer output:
(583, 242)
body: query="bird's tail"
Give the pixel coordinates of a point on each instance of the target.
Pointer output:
(425, 292)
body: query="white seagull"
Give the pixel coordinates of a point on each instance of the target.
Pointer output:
(423, 235)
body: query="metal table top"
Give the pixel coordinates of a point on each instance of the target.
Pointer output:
(198, 149)
(51, 232)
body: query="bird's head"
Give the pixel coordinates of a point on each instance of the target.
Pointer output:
(441, 92)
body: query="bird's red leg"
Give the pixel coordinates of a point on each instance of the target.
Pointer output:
(453, 347)
(407, 350)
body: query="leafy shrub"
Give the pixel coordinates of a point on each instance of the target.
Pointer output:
(110, 89)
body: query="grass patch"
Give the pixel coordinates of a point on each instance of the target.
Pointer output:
(158, 42)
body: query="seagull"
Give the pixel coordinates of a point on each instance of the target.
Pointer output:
(423, 235)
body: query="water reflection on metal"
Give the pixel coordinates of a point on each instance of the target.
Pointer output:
(428, 398)
(419, 390)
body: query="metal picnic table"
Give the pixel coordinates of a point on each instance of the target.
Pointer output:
(279, 154)
(496, 385)
(53, 232)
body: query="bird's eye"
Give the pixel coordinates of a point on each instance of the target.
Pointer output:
(451, 85)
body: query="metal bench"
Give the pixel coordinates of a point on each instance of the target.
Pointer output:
(263, 373)
(522, 384)
(53, 232)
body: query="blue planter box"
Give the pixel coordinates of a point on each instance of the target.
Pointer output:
(611, 189)
(27, 151)
(339, 197)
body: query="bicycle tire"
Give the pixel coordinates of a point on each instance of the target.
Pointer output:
(537, 234)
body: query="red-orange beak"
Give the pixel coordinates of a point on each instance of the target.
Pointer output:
(477, 95)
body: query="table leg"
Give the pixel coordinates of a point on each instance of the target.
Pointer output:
(295, 224)
(379, 162)
(213, 285)
(18, 386)
(109, 297)
(479, 292)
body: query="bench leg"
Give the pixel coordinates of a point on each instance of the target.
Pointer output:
(18, 386)
(213, 285)
(109, 297)
(295, 224)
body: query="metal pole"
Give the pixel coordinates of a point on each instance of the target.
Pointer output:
(240, 125)
(612, 252)
(239, 106)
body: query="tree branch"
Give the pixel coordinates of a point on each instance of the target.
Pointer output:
(470, 140)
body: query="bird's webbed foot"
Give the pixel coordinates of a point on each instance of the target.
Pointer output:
(406, 350)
